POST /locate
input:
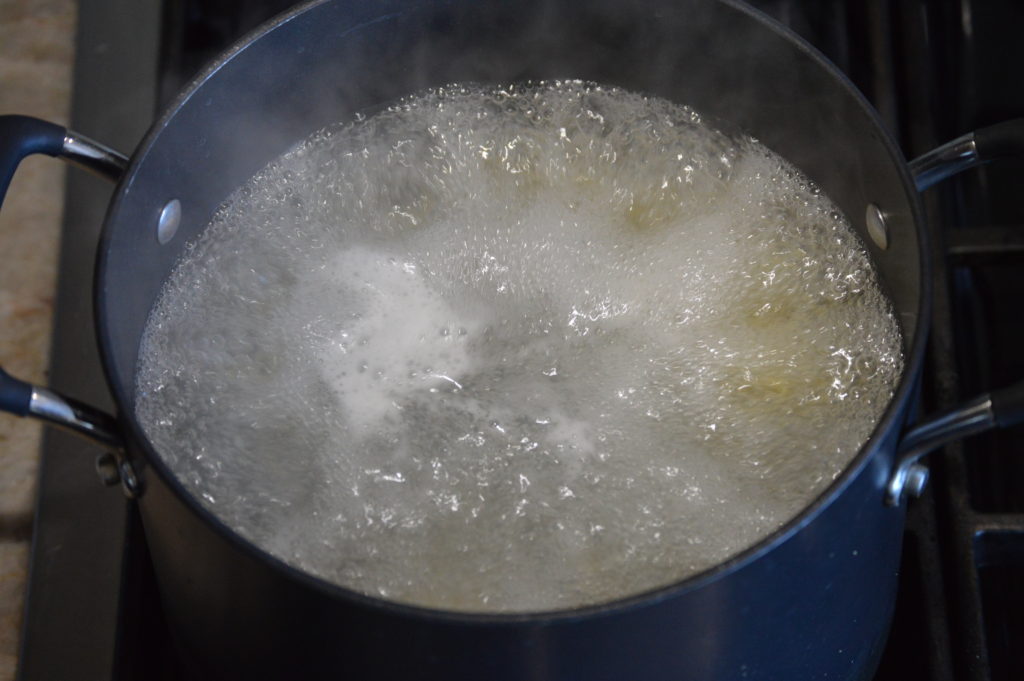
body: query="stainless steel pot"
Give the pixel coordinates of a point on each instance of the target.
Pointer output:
(812, 601)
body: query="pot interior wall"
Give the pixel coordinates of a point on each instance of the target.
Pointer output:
(337, 58)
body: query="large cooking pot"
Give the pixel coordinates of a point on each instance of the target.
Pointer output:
(812, 601)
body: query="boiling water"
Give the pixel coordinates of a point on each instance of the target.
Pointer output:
(518, 349)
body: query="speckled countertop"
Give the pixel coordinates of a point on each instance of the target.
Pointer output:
(36, 53)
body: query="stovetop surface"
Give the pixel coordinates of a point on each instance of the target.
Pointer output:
(933, 70)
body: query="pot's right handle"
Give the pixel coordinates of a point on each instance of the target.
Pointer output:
(997, 409)
(973, 149)
(22, 136)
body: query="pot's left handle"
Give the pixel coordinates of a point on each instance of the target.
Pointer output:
(24, 399)
(22, 136)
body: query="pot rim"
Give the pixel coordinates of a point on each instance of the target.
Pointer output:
(889, 423)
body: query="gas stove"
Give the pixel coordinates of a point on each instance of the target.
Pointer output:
(933, 69)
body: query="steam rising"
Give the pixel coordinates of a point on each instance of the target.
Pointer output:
(518, 349)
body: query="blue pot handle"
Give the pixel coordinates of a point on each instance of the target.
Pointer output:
(15, 395)
(999, 408)
(1001, 140)
(22, 136)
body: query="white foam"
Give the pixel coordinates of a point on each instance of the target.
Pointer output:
(395, 337)
(519, 349)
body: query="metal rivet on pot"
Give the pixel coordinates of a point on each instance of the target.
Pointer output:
(107, 469)
(130, 483)
(877, 228)
(170, 218)
(917, 480)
